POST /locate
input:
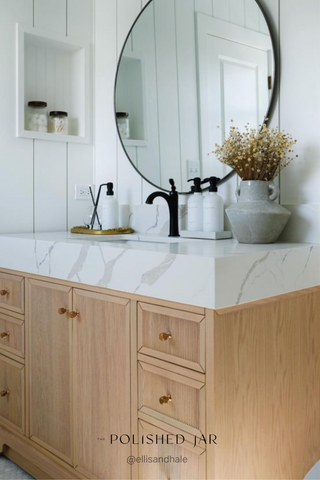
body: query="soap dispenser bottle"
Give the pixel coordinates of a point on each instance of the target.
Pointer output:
(195, 207)
(110, 210)
(213, 208)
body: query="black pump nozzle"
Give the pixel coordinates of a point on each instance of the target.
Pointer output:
(197, 185)
(110, 191)
(173, 185)
(213, 183)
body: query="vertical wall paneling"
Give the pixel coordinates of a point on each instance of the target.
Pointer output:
(129, 181)
(300, 99)
(304, 215)
(187, 84)
(80, 19)
(168, 99)
(80, 157)
(237, 12)
(252, 15)
(51, 16)
(204, 6)
(221, 9)
(50, 197)
(50, 186)
(143, 40)
(147, 188)
(271, 8)
(16, 158)
(80, 172)
(105, 68)
(300, 115)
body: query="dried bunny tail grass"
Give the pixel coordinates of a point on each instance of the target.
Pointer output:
(256, 155)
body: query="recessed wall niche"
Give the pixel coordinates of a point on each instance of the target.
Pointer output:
(131, 98)
(56, 70)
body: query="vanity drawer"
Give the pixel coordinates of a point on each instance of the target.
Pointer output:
(172, 335)
(189, 463)
(12, 292)
(12, 393)
(11, 335)
(172, 397)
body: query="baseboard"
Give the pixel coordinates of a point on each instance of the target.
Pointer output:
(34, 459)
(26, 465)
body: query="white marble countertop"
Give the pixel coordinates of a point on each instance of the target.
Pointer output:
(206, 273)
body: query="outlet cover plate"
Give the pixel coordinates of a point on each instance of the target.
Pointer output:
(82, 192)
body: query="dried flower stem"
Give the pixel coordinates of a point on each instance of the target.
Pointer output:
(256, 155)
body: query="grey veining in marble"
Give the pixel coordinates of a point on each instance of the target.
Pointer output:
(205, 273)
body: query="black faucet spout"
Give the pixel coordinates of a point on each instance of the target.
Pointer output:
(172, 200)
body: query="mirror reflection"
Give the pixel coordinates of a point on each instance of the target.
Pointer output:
(187, 68)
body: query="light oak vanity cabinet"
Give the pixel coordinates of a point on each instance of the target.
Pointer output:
(79, 376)
(79, 363)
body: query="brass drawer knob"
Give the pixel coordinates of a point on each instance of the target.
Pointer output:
(4, 393)
(74, 314)
(62, 311)
(4, 334)
(163, 337)
(3, 293)
(165, 400)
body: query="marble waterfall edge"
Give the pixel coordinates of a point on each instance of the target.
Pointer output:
(201, 273)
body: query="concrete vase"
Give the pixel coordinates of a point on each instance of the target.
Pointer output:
(256, 218)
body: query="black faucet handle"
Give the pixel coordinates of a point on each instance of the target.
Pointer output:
(173, 185)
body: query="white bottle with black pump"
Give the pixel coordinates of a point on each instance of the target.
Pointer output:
(195, 207)
(110, 210)
(213, 208)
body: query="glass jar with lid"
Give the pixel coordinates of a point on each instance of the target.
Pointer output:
(123, 124)
(37, 116)
(58, 122)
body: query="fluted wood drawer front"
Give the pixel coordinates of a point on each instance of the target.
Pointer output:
(170, 460)
(12, 292)
(172, 397)
(12, 393)
(11, 335)
(172, 335)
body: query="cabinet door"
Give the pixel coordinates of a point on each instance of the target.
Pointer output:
(50, 361)
(101, 341)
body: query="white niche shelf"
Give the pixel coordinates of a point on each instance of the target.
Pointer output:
(55, 70)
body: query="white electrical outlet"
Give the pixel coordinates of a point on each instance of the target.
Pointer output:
(193, 169)
(82, 192)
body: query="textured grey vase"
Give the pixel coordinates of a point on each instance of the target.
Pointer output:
(256, 218)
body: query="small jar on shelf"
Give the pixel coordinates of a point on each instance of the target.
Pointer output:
(37, 116)
(123, 124)
(58, 122)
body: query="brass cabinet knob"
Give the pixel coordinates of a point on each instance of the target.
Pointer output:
(163, 337)
(4, 393)
(165, 400)
(3, 293)
(62, 311)
(74, 314)
(4, 334)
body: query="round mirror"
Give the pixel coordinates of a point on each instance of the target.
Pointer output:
(188, 69)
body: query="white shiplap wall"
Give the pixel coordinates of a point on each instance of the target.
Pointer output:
(116, 17)
(297, 25)
(166, 39)
(38, 177)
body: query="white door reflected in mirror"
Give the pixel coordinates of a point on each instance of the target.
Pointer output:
(186, 68)
(233, 71)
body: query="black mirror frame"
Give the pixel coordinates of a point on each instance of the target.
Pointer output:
(269, 113)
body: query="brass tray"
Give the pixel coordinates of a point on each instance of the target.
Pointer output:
(88, 231)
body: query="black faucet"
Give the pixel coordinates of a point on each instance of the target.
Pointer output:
(172, 200)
